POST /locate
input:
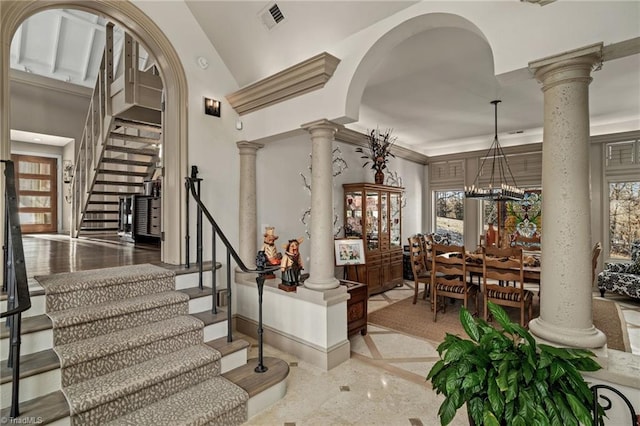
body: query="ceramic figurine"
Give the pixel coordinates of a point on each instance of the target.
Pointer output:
(269, 250)
(269, 246)
(291, 264)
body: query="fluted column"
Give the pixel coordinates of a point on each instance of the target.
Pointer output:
(247, 212)
(566, 317)
(321, 260)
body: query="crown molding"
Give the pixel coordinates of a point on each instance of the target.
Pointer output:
(297, 80)
(353, 137)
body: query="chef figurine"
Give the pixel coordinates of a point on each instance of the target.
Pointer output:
(291, 263)
(269, 248)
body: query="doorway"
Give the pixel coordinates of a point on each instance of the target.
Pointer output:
(37, 191)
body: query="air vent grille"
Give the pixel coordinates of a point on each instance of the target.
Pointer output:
(276, 13)
(271, 16)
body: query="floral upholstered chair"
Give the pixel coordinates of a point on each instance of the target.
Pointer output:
(622, 278)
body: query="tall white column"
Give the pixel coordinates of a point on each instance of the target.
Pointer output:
(321, 268)
(566, 317)
(247, 212)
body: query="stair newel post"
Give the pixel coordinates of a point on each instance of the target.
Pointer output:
(16, 322)
(214, 282)
(199, 237)
(5, 245)
(187, 185)
(261, 368)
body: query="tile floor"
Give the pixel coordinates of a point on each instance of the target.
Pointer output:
(384, 381)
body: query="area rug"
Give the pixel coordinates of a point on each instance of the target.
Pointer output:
(417, 320)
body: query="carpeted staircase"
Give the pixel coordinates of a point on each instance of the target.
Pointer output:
(130, 353)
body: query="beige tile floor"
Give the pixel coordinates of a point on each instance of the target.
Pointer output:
(384, 381)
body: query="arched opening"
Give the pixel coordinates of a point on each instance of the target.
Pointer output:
(382, 49)
(175, 115)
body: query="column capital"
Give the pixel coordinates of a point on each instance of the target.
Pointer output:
(573, 65)
(322, 124)
(246, 145)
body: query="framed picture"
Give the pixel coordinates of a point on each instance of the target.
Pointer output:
(349, 252)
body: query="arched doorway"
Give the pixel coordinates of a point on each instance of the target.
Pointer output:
(175, 116)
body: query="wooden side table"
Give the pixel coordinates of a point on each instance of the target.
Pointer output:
(356, 307)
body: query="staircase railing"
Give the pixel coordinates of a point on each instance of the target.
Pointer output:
(96, 131)
(14, 281)
(231, 253)
(597, 395)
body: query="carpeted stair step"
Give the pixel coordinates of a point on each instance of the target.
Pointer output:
(75, 289)
(103, 354)
(216, 401)
(94, 320)
(105, 398)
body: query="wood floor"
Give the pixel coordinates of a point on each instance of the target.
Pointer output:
(52, 253)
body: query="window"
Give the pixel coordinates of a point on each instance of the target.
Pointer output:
(624, 217)
(449, 215)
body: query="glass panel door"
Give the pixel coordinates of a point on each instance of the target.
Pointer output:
(372, 221)
(36, 184)
(394, 208)
(353, 214)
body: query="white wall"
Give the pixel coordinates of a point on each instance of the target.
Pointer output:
(282, 198)
(212, 140)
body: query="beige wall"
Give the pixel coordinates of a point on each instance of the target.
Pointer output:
(48, 110)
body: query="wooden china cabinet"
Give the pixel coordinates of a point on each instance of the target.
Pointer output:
(373, 214)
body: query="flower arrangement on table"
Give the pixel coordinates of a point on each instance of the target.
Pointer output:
(378, 152)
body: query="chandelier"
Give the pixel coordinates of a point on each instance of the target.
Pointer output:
(502, 185)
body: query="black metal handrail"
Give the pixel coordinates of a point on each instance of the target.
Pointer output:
(596, 411)
(192, 182)
(15, 281)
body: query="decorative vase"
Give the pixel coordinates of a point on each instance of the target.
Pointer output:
(379, 177)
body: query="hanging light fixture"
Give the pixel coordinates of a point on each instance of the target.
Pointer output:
(502, 185)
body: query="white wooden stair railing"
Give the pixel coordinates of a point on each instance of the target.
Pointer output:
(121, 139)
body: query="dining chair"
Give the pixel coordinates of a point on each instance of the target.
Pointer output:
(526, 243)
(449, 277)
(505, 265)
(419, 266)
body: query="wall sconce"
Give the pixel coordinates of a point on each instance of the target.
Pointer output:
(212, 107)
(67, 171)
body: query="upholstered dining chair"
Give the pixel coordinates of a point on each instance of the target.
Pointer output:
(449, 277)
(419, 266)
(505, 265)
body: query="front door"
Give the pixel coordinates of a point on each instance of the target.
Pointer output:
(36, 185)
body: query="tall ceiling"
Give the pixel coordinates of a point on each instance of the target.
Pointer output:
(433, 89)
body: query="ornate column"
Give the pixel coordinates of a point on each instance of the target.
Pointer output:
(321, 262)
(566, 317)
(247, 212)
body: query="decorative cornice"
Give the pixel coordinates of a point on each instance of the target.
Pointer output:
(508, 150)
(360, 139)
(301, 78)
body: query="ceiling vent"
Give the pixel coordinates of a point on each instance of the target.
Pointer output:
(271, 16)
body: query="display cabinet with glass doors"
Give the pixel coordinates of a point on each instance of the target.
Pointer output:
(373, 213)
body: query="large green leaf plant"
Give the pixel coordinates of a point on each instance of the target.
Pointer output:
(505, 378)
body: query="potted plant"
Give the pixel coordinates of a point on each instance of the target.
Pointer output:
(505, 378)
(379, 151)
